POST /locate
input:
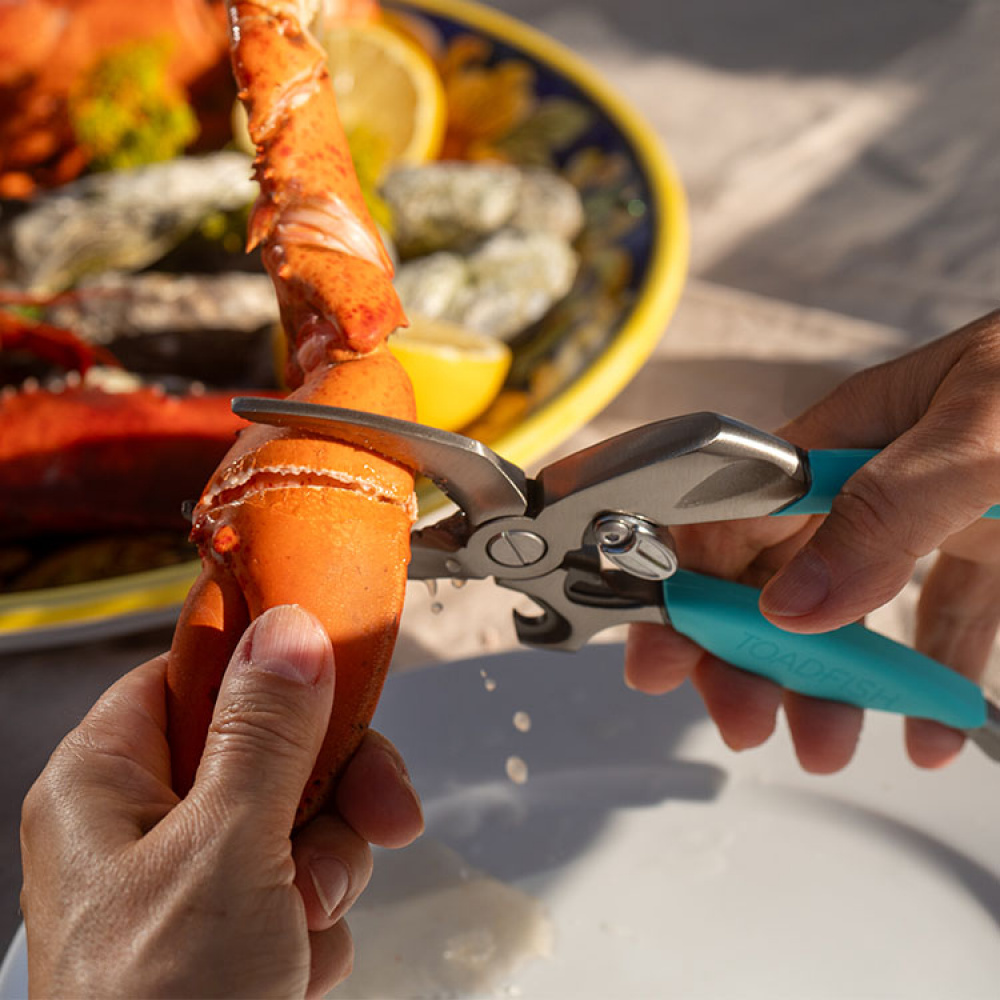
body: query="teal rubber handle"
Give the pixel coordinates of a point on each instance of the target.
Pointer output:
(829, 470)
(851, 664)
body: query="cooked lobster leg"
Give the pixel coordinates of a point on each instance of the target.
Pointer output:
(54, 344)
(291, 517)
(81, 459)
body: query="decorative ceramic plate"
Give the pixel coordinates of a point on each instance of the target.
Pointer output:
(566, 367)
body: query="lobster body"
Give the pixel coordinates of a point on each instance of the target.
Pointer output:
(45, 46)
(108, 461)
(292, 517)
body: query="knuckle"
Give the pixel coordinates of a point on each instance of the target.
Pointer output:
(981, 358)
(251, 725)
(870, 508)
(968, 432)
(34, 809)
(986, 331)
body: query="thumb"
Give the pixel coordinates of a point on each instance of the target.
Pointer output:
(902, 505)
(937, 411)
(270, 719)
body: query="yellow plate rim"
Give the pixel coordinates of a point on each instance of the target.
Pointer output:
(107, 600)
(658, 298)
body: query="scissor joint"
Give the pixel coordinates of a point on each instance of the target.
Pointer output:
(636, 545)
(582, 598)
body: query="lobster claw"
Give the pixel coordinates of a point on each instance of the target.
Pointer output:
(291, 516)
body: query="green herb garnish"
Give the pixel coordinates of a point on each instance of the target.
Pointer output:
(126, 111)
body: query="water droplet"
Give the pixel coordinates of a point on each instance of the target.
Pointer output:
(517, 770)
(459, 584)
(432, 587)
(522, 721)
(436, 607)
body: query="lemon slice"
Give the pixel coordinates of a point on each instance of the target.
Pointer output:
(456, 373)
(387, 90)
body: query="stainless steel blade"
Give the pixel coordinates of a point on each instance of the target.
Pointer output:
(477, 479)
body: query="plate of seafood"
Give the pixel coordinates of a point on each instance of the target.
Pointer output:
(532, 225)
(586, 841)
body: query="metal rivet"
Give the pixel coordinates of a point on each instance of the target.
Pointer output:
(516, 548)
(613, 531)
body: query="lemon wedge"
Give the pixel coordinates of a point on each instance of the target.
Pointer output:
(389, 95)
(387, 89)
(456, 373)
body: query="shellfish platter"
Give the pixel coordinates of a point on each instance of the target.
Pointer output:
(536, 225)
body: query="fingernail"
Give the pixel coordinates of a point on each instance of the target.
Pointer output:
(288, 641)
(331, 880)
(396, 763)
(399, 769)
(799, 589)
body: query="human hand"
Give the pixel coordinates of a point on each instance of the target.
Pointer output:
(936, 414)
(130, 891)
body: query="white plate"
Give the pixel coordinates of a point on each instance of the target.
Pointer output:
(650, 861)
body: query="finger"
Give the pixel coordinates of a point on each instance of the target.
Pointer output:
(877, 405)
(270, 719)
(825, 733)
(957, 620)
(726, 548)
(772, 559)
(959, 613)
(376, 797)
(332, 867)
(979, 543)
(930, 481)
(658, 659)
(332, 958)
(742, 705)
(111, 774)
(930, 744)
(899, 507)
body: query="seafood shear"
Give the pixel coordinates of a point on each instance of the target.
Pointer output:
(588, 540)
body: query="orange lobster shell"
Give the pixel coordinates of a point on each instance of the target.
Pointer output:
(301, 519)
(81, 459)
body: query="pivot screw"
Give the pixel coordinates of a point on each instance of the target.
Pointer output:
(613, 532)
(516, 548)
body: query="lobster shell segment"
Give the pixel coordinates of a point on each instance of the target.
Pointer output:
(363, 306)
(292, 517)
(331, 271)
